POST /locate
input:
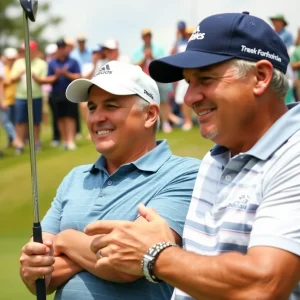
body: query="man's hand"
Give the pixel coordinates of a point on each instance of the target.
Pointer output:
(60, 72)
(35, 78)
(148, 53)
(36, 261)
(125, 243)
(3, 106)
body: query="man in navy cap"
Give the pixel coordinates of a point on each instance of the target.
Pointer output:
(279, 24)
(242, 233)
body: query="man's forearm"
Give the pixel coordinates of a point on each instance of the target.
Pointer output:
(64, 269)
(77, 248)
(73, 76)
(46, 80)
(226, 276)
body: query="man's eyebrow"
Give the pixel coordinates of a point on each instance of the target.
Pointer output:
(210, 70)
(111, 99)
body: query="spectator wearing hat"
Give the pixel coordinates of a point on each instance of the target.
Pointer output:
(9, 97)
(50, 52)
(183, 35)
(111, 51)
(62, 70)
(70, 45)
(143, 56)
(18, 76)
(81, 53)
(181, 38)
(279, 23)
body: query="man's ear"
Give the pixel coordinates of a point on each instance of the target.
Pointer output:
(264, 74)
(152, 115)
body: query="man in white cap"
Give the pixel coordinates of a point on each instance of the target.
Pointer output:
(123, 105)
(112, 52)
(82, 54)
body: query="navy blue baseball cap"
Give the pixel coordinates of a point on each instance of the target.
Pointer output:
(222, 37)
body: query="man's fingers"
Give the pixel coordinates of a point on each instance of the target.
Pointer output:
(33, 248)
(98, 243)
(148, 213)
(37, 260)
(103, 227)
(31, 274)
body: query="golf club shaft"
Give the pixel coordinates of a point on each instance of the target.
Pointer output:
(37, 230)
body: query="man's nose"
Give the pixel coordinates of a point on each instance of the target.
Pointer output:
(99, 115)
(193, 94)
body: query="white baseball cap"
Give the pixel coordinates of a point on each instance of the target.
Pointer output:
(10, 53)
(51, 49)
(117, 78)
(111, 44)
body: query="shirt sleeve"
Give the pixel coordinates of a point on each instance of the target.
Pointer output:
(15, 68)
(75, 68)
(51, 69)
(52, 220)
(173, 201)
(277, 221)
(137, 56)
(295, 57)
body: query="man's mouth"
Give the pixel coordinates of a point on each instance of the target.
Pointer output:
(103, 132)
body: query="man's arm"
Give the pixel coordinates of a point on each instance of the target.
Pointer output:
(257, 275)
(64, 269)
(72, 76)
(76, 246)
(44, 80)
(37, 260)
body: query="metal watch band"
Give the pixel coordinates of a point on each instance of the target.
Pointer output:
(150, 257)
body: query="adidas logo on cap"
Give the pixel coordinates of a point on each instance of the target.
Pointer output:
(104, 70)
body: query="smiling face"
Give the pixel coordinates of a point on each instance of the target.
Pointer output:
(120, 129)
(226, 105)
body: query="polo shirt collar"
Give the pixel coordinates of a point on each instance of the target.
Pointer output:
(150, 162)
(286, 126)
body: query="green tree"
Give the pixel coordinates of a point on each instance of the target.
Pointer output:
(12, 27)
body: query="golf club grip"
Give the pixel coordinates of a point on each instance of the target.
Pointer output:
(40, 289)
(40, 283)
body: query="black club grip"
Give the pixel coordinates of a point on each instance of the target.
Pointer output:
(40, 283)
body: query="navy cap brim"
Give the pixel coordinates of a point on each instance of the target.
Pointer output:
(169, 69)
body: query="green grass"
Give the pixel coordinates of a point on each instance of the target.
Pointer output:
(53, 164)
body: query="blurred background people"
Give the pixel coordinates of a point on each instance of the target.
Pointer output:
(62, 70)
(142, 57)
(70, 45)
(18, 76)
(9, 97)
(81, 53)
(279, 23)
(111, 51)
(182, 37)
(50, 53)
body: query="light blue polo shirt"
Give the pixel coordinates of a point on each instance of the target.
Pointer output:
(286, 37)
(82, 58)
(251, 199)
(158, 179)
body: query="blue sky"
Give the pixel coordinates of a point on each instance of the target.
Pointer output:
(124, 19)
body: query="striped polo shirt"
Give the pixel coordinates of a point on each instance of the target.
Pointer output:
(251, 199)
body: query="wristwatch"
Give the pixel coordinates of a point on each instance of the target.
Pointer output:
(150, 257)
